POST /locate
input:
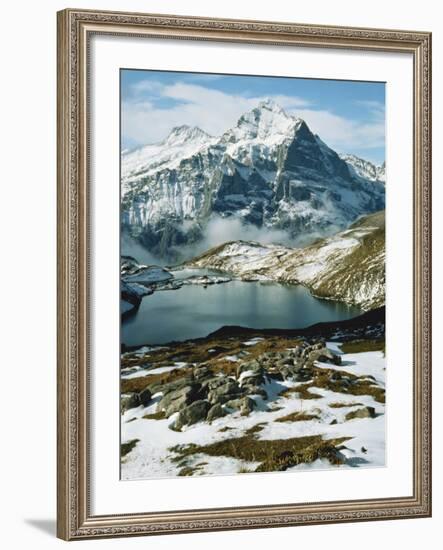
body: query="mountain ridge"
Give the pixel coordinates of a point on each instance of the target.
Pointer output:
(269, 171)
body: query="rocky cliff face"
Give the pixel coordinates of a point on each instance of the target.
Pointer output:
(350, 266)
(269, 171)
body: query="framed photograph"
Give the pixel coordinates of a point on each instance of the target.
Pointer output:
(243, 274)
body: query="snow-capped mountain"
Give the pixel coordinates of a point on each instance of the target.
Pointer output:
(269, 170)
(182, 142)
(365, 169)
(349, 266)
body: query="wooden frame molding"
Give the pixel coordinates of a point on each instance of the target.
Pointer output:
(75, 27)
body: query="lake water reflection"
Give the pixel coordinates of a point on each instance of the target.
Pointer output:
(194, 311)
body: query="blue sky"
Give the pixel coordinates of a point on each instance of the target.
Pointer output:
(348, 116)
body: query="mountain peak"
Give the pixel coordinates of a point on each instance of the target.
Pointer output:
(266, 121)
(180, 134)
(270, 105)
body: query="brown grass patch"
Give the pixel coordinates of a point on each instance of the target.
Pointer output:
(160, 415)
(188, 471)
(302, 390)
(321, 378)
(198, 351)
(127, 447)
(297, 417)
(273, 455)
(228, 368)
(339, 405)
(359, 346)
(359, 385)
(255, 429)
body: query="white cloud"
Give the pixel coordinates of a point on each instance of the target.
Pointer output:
(212, 110)
(206, 77)
(215, 111)
(221, 230)
(144, 86)
(342, 133)
(375, 106)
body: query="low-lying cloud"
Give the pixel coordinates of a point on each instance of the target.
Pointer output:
(130, 247)
(217, 231)
(220, 230)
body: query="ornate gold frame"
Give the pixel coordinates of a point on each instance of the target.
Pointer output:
(75, 27)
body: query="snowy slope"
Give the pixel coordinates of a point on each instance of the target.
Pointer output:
(365, 169)
(182, 142)
(350, 266)
(153, 457)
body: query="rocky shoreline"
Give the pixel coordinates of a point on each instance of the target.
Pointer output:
(368, 325)
(138, 281)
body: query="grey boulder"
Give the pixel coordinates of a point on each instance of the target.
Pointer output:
(222, 392)
(244, 404)
(129, 401)
(176, 400)
(324, 355)
(216, 411)
(364, 412)
(195, 412)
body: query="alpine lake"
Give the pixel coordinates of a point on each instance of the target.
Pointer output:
(196, 310)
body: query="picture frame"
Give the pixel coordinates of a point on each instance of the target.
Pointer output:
(76, 211)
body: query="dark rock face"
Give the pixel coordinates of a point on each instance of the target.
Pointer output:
(304, 153)
(129, 296)
(145, 397)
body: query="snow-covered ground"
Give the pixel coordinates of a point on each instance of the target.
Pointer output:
(138, 372)
(151, 456)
